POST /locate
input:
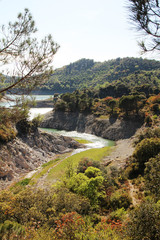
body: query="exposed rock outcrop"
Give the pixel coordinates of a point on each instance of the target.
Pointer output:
(112, 128)
(26, 153)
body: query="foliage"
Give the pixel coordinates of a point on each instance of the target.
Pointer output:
(8, 120)
(31, 60)
(70, 227)
(128, 103)
(146, 16)
(108, 230)
(25, 127)
(88, 184)
(26, 206)
(66, 201)
(144, 222)
(94, 154)
(24, 182)
(7, 133)
(152, 176)
(120, 199)
(148, 121)
(36, 121)
(118, 214)
(147, 146)
(145, 150)
(131, 72)
(11, 230)
(85, 163)
(148, 133)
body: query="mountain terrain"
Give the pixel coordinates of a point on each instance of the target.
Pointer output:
(87, 73)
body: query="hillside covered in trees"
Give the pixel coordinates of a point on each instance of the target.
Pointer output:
(87, 73)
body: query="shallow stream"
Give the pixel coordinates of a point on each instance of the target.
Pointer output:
(93, 141)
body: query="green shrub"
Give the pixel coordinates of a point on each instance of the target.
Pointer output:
(146, 149)
(148, 133)
(66, 201)
(7, 133)
(155, 108)
(144, 222)
(92, 187)
(24, 182)
(92, 172)
(133, 169)
(152, 176)
(11, 230)
(60, 105)
(118, 214)
(120, 199)
(27, 206)
(37, 120)
(85, 163)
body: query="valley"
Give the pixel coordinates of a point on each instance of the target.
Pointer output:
(87, 167)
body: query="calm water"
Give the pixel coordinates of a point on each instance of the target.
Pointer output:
(14, 97)
(34, 112)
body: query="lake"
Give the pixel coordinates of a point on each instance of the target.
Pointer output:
(13, 98)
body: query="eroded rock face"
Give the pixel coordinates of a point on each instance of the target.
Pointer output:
(113, 129)
(26, 153)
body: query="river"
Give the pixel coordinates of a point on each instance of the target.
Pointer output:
(33, 111)
(93, 141)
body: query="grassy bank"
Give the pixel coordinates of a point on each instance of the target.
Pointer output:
(55, 169)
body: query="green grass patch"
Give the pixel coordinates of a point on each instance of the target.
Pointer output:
(96, 154)
(46, 167)
(23, 182)
(82, 141)
(50, 162)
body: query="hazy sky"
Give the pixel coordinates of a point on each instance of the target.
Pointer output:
(94, 29)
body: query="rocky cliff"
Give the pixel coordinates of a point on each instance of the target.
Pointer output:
(27, 152)
(111, 128)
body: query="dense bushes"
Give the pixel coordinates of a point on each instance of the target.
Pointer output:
(88, 184)
(146, 149)
(89, 101)
(144, 222)
(152, 176)
(7, 132)
(8, 120)
(120, 199)
(148, 133)
(76, 101)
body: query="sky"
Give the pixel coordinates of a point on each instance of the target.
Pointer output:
(92, 29)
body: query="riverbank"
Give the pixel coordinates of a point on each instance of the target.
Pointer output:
(123, 150)
(27, 152)
(111, 128)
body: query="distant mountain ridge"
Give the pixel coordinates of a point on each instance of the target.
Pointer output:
(87, 73)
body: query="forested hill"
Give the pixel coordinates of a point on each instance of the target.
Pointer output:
(87, 73)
